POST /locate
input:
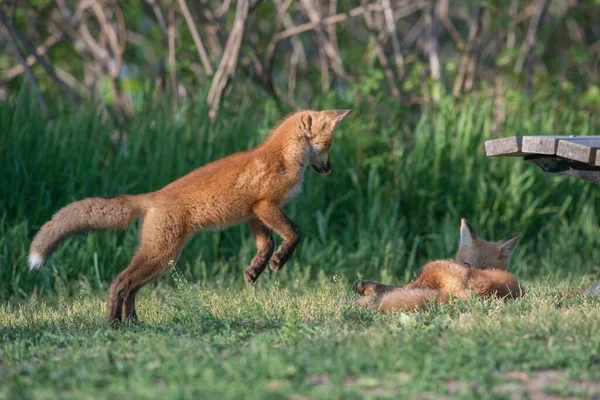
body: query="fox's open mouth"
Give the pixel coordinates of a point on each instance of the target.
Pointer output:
(323, 169)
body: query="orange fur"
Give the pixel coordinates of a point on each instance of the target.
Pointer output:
(249, 187)
(479, 270)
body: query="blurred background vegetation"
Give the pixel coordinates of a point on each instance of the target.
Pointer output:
(106, 97)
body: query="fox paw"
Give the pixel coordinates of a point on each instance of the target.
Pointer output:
(276, 262)
(114, 323)
(364, 288)
(275, 265)
(251, 275)
(249, 278)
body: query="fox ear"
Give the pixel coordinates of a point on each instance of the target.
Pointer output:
(508, 245)
(467, 234)
(336, 115)
(307, 122)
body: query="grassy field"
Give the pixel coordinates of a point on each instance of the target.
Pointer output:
(302, 341)
(402, 181)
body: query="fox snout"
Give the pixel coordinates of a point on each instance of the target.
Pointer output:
(323, 168)
(320, 162)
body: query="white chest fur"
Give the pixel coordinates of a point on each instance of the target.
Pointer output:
(295, 190)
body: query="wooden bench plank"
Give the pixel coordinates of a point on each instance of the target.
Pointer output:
(589, 141)
(576, 151)
(539, 145)
(509, 146)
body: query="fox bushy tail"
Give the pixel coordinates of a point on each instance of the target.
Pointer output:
(91, 214)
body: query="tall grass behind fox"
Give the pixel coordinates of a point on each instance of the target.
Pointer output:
(480, 269)
(247, 187)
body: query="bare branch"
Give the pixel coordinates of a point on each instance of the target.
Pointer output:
(442, 12)
(432, 45)
(94, 47)
(405, 8)
(296, 30)
(331, 29)
(334, 19)
(110, 34)
(196, 37)
(229, 60)
(159, 15)
(72, 82)
(530, 39)
(222, 9)
(213, 30)
(17, 70)
(511, 36)
(284, 17)
(172, 59)
(323, 41)
(389, 74)
(49, 68)
(113, 63)
(465, 60)
(391, 27)
(292, 76)
(413, 34)
(121, 30)
(5, 28)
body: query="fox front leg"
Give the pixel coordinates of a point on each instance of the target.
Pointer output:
(264, 250)
(274, 218)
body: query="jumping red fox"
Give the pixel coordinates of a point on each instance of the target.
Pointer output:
(479, 269)
(249, 187)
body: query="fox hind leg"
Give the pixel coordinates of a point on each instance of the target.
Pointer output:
(274, 218)
(264, 249)
(144, 268)
(161, 242)
(128, 311)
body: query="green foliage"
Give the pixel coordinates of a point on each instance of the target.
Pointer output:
(402, 181)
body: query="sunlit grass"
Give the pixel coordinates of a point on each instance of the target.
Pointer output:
(310, 340)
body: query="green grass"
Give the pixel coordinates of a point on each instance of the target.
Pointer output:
(277, 341)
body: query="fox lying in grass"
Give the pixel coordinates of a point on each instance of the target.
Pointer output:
(249, 187)
(479, 269)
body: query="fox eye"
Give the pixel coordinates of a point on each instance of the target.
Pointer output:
(468, 264)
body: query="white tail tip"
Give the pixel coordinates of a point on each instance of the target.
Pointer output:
(35, 261)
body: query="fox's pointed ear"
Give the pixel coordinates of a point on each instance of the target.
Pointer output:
(336, 115)
(307, 122)
(507, 246)
(467, 234)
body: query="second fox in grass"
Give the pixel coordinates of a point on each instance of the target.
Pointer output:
(249, 186)
(479, 269)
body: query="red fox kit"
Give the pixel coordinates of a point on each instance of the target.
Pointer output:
(248, 187)
(479, 269)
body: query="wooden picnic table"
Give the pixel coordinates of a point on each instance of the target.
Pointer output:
(577, 156)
